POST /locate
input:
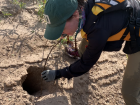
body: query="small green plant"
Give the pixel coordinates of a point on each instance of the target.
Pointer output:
(6, 14)
(41, 9)
(64, 41)
(17, 2)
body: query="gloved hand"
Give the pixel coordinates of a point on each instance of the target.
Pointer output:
(48, 75)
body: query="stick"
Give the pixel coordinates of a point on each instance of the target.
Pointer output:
(50, 52)
(47, 60)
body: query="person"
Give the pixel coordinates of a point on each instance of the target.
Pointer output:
(104, 34)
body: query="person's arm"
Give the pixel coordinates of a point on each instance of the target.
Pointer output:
(97, 40)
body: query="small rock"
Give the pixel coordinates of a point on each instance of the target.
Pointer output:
(17, 95)
(10, 83)
(32, 98)
(24, 95)
(10, 95)
(27, 102)
(17, 79)
(55, 55)
(14, 83)
(13, 88)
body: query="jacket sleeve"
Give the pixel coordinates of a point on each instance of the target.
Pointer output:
(97, 41)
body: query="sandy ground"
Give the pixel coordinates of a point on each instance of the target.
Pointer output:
(23, 51)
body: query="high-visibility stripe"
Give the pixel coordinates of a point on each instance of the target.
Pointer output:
(96, 10)
(105, 6)
(120, 1)
(83, 34)
(115, 37)
(119, 35)
(127, 37)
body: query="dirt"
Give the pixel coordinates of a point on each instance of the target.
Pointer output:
(22, 58)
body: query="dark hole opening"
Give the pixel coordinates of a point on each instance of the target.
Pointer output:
(33, 80)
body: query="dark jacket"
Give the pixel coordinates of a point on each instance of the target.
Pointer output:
(97, 34)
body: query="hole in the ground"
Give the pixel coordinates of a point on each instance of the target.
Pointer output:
(32, 83)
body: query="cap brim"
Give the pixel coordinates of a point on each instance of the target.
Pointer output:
(53, 33)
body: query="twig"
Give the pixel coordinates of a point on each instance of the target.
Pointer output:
(47, 60)
(50, 52)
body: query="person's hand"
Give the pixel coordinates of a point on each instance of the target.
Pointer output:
(48, 75)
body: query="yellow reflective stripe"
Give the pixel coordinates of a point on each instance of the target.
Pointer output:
(83, 34)
(120, 1)
(96, 10)
(105, 6)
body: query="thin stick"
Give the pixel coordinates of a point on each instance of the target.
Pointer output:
(47, 60)
(50, 52)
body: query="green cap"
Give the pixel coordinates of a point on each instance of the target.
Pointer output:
(56, 13)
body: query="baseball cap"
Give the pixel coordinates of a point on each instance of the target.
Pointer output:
(56, 14)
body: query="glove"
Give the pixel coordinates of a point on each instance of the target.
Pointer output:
(48, 75)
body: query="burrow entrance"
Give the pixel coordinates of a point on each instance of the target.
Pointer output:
(33, 81)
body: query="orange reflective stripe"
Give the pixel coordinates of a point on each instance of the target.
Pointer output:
(127, 37)
(115, 37)
(105, 6)
(120, 1)
(119, 35)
